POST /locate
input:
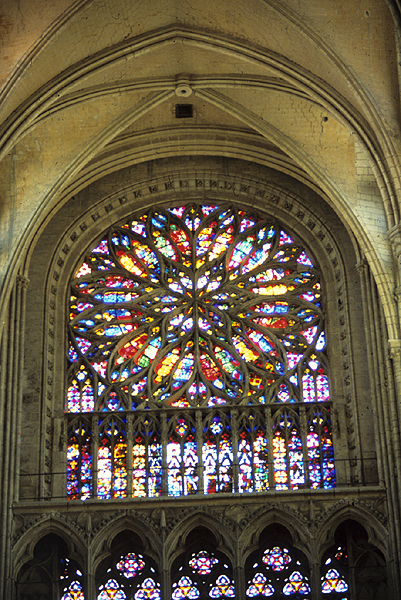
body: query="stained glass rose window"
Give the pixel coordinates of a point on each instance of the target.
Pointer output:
(197, 307)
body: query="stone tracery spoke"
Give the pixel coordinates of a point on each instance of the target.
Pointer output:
(201, 306)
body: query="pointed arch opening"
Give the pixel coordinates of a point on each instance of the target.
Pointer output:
(197, 359)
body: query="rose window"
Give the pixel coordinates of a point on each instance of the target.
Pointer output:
(177, 316)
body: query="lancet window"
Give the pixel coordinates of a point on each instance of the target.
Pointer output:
(197, 359)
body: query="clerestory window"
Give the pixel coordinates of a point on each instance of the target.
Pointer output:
(197, 359)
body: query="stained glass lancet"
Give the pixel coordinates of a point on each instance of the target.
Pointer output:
(190, 325)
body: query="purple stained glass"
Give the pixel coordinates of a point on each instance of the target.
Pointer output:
(320, 450)
(79, 461)
(223, 588)
(217, 457)
(73, 592)
(288, 460)
(297, 584)
(259, 587)
(111, 591)
(148, 590)
(185, 588)
(130, 565)
(252, 456)
(182, 459)
(195, 306)
(203, 562)
(112, 461)
(276, 558)
(333, 582)
(296, 461)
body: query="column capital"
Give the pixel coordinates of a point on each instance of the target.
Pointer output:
(22, 282)
(362, 265)
(394, 348)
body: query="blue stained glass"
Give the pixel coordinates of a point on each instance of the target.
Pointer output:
(185, 588)
(149, 590)
(207, 210)
(203, 562)
(260, 587)
(223, 588)
(197, 312)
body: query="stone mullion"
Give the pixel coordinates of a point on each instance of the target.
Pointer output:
(164, 442)
(90, 584)
(130, 419)
(199, 445)
(165, 571)
(269, 435)
(12, 354)
(304, 432)
(239, 575)
(374, 371)
(95, 446)
(351, 567)
(234, 429)
(287, 437)
(315, 581)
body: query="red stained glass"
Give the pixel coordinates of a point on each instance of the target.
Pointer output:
(196, 307)
(203, 562)
(130, 565)
(277, 558)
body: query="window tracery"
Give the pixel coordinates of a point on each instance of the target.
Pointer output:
(277, 569)
(353, 568)
(191, 325)
(202, 571)
(205, 568)
(51, 573)
(128, 574)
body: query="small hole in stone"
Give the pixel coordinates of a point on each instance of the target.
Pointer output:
(325, 119)
(184, 111)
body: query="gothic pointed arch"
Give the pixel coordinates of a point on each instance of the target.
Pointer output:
(207, 317)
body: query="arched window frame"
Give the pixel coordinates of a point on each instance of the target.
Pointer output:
(128, 568)
(285, 207)
(52, 571)
(95, 217)
(298, 475)
(277, 568)
(205, 578)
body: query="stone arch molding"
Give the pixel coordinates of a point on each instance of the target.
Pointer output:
(364, 513)
(130, 520)
(180, 529)
(60, 93)
(275, 514)
(189, 185)
(91, 547)
(32, 532)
